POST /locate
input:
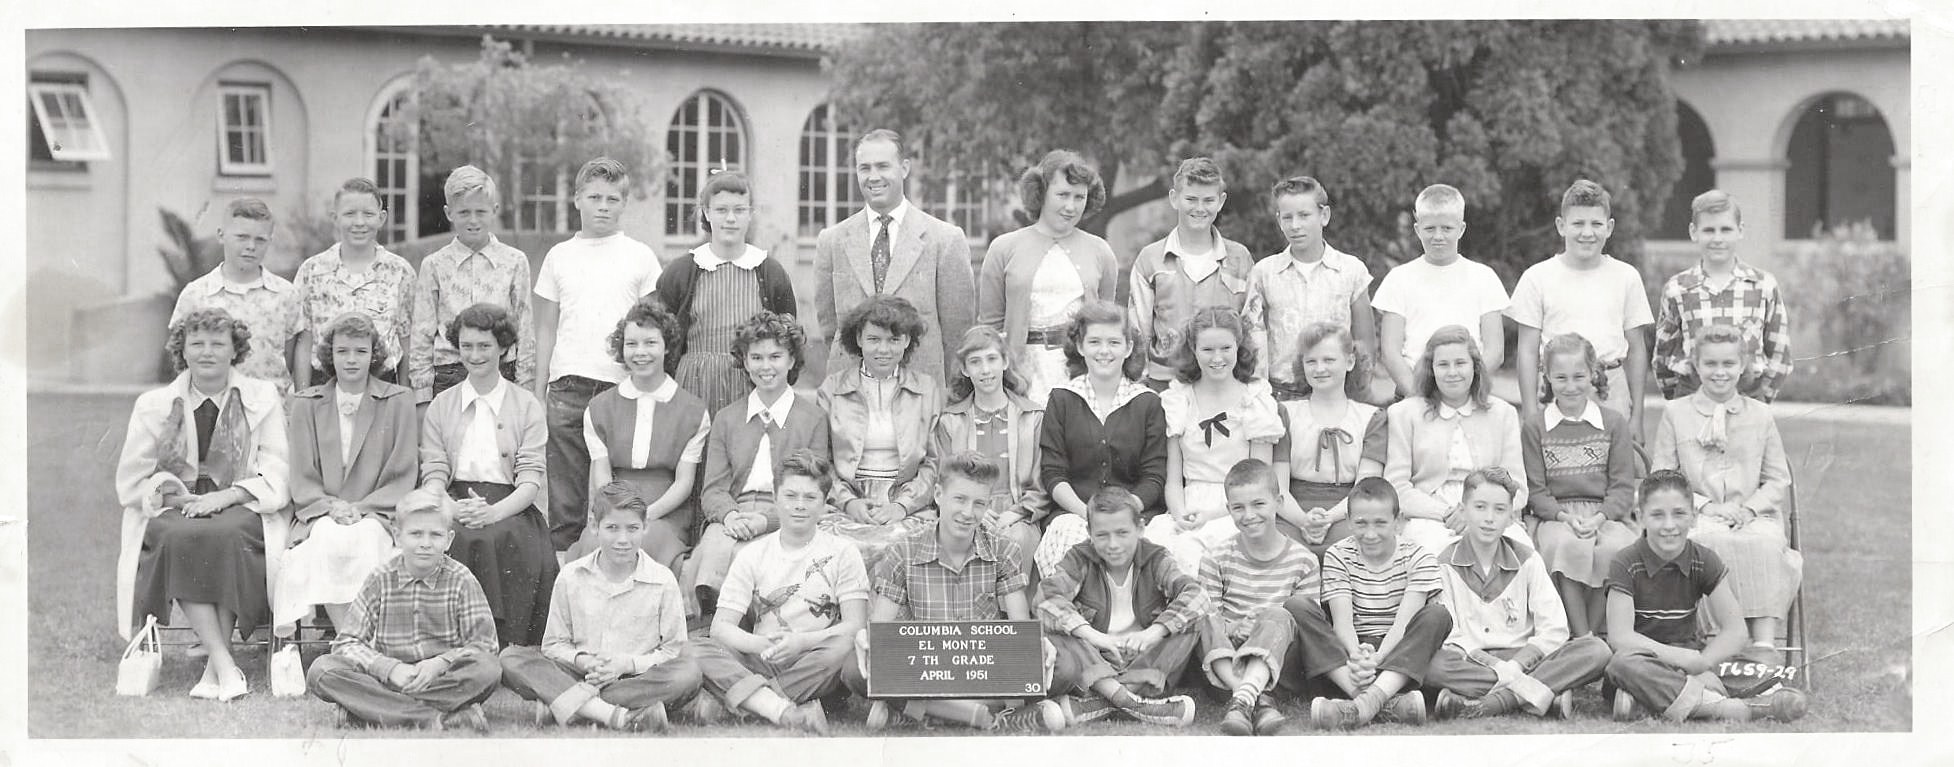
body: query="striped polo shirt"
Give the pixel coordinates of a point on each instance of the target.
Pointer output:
(1666, 593)
(1375, 593)
(1242, 585)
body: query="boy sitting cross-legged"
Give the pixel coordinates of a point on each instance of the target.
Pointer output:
(418, 647)
(1654, 586)
(1509, 646)
(1124, 619)
(614, 649)
(790, 608)
(1384, 621)
(1249, 637)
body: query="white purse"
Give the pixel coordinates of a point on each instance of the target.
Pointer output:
(287, 673)
(142, 662)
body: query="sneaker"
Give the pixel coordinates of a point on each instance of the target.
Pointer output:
(1334, 713)
(806, 717)
(1627, 709)
(1268, 719)
(1404, 708)
(1784, 704)
(1239, 719)
(1043, 716)
(706, 708)
(883, 715)
(467, 717)
(1176, 711)
(651, 718)
(1085, 709)
(1451, 705)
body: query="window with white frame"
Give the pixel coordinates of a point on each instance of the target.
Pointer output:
(244, 129)
(960, 198)
(542, 197)
(707, 135)
(64, 126)
(396, 164)
(829, 193)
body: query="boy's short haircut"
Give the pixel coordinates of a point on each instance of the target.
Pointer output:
(603, 168)
(1376, 489)
(488, 317)
(1252, 472)
(1664, 479)
(884, 134)
(1492, 475)
(806, 463)
(251, 208)
(422, 501)
(360, 185)
(1437, 199)
(1199, 170)
(467, 181)
(1299, 185)
(1113, 499)
(1714, 201)
(971, 466)
(1586, 194)
(617, 496)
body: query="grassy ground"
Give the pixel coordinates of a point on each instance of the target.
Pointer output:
(1855, 503)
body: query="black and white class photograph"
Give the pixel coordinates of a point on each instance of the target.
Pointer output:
(976, 379)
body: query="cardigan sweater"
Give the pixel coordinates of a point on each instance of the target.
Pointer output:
(956, 431)
(1418, 452)
(520, 434)
(1129, 449)
(735, 440)
(680, 280)
(1012, 262)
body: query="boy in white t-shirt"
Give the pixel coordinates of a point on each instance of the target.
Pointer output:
(1584, 290)
(789, 609)
(587, 283)
(1442, 288)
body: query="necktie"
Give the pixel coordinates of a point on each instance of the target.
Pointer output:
(878, 253)
(206, 428)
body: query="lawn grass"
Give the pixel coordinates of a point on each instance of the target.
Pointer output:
(1854, 500)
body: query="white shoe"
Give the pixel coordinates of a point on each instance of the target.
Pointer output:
(206, 687)
(230, 691)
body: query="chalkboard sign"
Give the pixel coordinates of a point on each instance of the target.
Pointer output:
(971, 659)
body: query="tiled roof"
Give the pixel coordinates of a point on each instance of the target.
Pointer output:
(1747, 32)
(812, 39)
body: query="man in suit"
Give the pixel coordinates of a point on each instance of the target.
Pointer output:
(895, 248)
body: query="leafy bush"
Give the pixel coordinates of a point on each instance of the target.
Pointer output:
(1855, 292)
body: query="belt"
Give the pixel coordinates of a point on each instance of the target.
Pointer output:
(1050, 338)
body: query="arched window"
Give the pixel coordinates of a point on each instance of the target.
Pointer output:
(393, 152)
(707, 135)
(959, 197)
(1841, 168)
(829, 193)
(1698, 177)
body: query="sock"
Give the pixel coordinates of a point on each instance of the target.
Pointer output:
(766, 703)
(1117, 694)
(1498, 702)
(1369, 702)
(1245, 696)
(599, 711)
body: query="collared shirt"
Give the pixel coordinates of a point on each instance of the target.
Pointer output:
(267, 305)
(1102, 410)
(1458, 452)
(708, 260)
(479, 457)
(641, 430)
(895, 226)
(1376, 592)
(1552, 416)
(1666, 593)
(399, 618)
(455, 278)
(913, 575)
(1511, 603)
(1168, 284)
(1751, 303)
(1197, 266)
(593, 281)
(383, 291)
(642, 617)
(760, 479)
(1285, 296)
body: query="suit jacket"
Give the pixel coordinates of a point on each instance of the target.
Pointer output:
(385, 455)
(929, 265)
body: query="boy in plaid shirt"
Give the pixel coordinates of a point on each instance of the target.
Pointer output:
(1248, 638)
(1722, 289)
(418, 648)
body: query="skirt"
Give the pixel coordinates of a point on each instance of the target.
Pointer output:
(514, 562)
(328, 567)
(712, 377)
(1763, 571)
(217, 560)
(1317, 495)
(1044, 369)
(1063, 530)
(1582, 560)
(1189, 547)
(706, 567)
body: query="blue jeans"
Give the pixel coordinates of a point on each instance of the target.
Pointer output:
(569, 457)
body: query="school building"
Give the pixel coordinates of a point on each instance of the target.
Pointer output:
(1806, 121)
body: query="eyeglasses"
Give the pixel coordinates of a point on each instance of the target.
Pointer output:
(724, 212)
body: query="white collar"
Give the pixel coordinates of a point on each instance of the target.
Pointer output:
(219, 283)
(194, 398)
(1128, 389)
(1448, 412)
(874, 218)
(494, 398)
(1197, 266)
(710, 261)
(1590, 414)
(647, 571)
(663, 393)
(778, 412)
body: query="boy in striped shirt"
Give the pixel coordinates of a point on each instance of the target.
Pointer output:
(1248, 637)
(1384, 621)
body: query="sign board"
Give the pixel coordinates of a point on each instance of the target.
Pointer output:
(961, 659)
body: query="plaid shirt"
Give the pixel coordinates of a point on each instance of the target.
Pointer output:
(1751, 303)
(454, 278)
(399, 618)
(912, 575)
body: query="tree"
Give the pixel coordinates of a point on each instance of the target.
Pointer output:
(517, 119)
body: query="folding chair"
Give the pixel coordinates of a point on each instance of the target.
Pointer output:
(1792, 631)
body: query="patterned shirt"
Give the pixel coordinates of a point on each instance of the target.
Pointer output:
(454, 278)
(1241, 585)
(799, 590)
(1286, 296)
(384, 291)
(399, 618)
(1751, 303)
(912, 575)
(268, 306)
(1375, 594)
(642, 617)
(1666, 593)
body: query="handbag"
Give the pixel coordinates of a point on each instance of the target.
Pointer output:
(142, 662)
(287, 673)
